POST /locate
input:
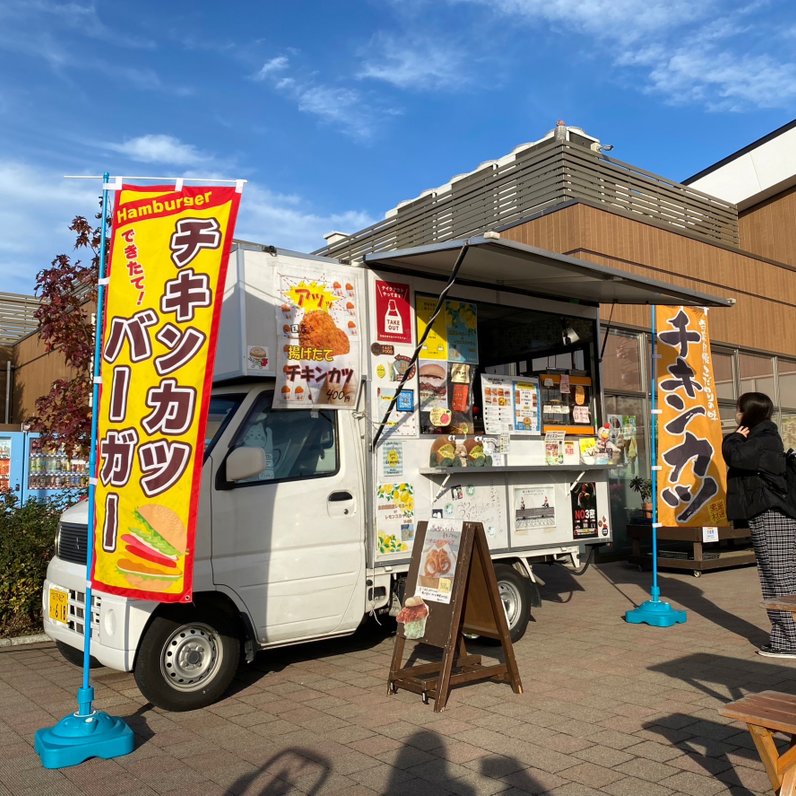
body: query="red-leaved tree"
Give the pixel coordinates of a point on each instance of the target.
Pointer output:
(68, 293)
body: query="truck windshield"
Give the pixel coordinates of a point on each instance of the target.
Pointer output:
(222, 407)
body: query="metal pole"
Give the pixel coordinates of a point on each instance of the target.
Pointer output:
(655, 591)
(8, 391)
(86, 693)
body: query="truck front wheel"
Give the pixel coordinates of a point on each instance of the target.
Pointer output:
(513, 590)
(187, 658)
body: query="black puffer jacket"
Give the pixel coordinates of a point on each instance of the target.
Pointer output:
(746, 457)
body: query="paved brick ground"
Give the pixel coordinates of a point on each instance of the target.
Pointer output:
(608, 708)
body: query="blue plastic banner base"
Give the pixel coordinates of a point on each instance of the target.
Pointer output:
(77, 738)
(654, 612)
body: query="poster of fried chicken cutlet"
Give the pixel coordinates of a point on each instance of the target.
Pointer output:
(319, 334)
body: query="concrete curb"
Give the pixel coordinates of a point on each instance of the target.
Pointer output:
(20, 640)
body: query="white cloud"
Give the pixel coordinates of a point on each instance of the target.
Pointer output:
(80, 18)
(725, 81)
(277, 64)
(624, 20)
(714, 54)
(37, 205)
(159, 149)
(340, 106)
(288, 221)
(416, 62)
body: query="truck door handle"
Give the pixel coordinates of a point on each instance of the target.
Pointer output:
(336, 497)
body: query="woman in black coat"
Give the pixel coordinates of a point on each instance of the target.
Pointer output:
(755, 493)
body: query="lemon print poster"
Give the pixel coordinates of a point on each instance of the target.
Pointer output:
(395, 517)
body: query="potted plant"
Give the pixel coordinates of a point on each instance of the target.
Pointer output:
(644, 488)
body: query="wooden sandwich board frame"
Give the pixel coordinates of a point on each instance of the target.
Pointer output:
(475, 607)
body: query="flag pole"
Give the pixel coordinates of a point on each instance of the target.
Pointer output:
(653, 611)
(87, 732)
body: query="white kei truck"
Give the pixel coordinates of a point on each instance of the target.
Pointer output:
(315, 476)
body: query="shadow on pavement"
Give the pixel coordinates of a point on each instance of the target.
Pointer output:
(724, 679)
(290, 771)
(703, 742)
(727, 679)
(433, 766)
(557, 583)
(139, 725)
(686, 594)
(369, 635)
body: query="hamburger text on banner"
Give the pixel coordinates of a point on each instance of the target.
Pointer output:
(169, 252)
(692, 480)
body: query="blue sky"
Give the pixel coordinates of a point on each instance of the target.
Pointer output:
(337, 110)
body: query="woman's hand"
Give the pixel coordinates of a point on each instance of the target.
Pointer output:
(742, 430)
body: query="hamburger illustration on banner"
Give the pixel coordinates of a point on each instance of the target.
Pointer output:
(318, 356)
(153, 550)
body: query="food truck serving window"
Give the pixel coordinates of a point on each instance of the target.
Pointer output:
(490, 368)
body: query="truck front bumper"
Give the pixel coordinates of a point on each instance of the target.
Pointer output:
(116, 622)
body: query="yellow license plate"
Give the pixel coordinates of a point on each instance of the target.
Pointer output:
(59, 606)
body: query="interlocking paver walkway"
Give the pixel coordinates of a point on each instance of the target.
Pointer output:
(608, 708)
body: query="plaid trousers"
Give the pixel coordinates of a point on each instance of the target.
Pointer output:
(774, 542)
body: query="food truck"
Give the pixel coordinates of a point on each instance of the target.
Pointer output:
(458, 380)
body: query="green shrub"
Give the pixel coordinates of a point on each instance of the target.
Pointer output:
(27, 535)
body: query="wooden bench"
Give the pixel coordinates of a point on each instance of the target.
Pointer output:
(784, 603)
(764, 714)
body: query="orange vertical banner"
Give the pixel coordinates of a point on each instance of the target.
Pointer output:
(168, 260)
(692, 479)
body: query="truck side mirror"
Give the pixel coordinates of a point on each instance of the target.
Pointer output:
(245, 462)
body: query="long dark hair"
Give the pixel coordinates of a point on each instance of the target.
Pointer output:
(755, 407)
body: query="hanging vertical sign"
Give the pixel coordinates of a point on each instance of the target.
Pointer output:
(692, 478)
(319, 357)
(168, 260)
(393, 312)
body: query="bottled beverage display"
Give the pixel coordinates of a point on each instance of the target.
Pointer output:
(5, 464)
(53, 469)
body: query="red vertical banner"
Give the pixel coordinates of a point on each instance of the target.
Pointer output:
(168, 261)
(692, 482)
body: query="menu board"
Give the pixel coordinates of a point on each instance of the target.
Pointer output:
(510, 405)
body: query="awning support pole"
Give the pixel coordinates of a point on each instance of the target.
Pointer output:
(440, 301)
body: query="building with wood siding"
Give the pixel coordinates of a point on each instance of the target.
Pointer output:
(727, 231)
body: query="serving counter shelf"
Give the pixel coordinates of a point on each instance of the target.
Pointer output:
(683, 548)
(517, 468)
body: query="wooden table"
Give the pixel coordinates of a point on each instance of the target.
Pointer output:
(727, 556)
(764, 714)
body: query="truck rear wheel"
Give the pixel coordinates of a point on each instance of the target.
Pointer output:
(513, 590)
(187, 658)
